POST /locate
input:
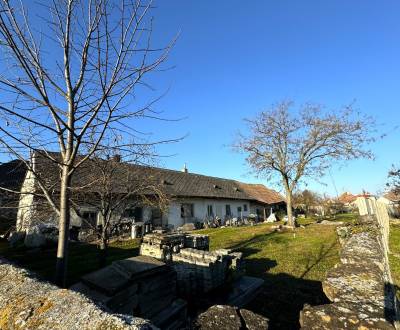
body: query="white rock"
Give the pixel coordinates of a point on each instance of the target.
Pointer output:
(271, 218)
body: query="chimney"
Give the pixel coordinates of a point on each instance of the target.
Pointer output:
(33, 160)
(117, 158)
(184, 169)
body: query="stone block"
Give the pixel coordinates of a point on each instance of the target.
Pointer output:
(107, 280)
(34, 238)
(229, 318)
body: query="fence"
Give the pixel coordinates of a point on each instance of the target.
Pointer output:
(371, 206)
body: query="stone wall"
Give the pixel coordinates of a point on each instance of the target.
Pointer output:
(360, 286)
(28, 303)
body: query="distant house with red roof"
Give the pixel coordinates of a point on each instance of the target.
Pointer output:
(347, 198)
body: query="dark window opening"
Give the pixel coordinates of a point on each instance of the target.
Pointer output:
(187, 211)
(156, 217)
(210, 212)
(228, 211)
(89, 220)
(136, 213)
(239, 209)
(245, 207)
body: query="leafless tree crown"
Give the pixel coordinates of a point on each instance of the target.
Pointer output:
(73, 80)
(295, 144)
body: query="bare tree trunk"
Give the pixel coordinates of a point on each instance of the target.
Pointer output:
(63, 236)
(289, 203)
(103, 246)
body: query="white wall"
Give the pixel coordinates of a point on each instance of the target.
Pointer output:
(200, 209)
(25, 205)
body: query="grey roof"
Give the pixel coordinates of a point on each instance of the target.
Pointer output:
(12, 174)
(172, 183)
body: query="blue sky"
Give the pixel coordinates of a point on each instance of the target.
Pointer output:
(234, 59)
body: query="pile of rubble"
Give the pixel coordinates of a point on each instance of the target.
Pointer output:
(139, 286)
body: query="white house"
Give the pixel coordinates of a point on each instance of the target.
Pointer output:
(191, 197)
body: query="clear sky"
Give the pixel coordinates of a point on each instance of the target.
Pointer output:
(235, 58)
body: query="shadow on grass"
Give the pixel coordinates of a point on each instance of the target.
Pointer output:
(82, 258)
(324, 252)
(283, 295)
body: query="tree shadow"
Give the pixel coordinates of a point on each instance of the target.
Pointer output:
(82, 258)
(283, 296)
(324, 252)
(391, 302)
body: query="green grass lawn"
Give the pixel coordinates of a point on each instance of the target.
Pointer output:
(291, 264)
(82, 258)
(394, 255)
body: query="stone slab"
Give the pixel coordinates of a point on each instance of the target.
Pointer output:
(344, 316)
(244, 290)
(137, 266)
(229, 318)
(107, 280)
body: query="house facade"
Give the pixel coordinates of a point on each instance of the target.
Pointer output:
(191, 198)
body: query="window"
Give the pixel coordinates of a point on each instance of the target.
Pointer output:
(245, 207)
(135, 213)
(228, 211)
(128, 213)
(187, 211)
(239, 210)
(210, 212)
(89, 220)
(156, 217)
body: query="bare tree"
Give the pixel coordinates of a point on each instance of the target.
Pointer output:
(394, 180)
(292, 145)
(114, 184)
(67, 82)
(306, 200)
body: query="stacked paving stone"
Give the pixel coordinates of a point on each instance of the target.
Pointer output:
(163, 246)
(199, 272)
(139, 286)
(196, 241)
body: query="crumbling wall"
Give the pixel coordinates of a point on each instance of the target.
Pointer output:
(359, 287)
(28, 303)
